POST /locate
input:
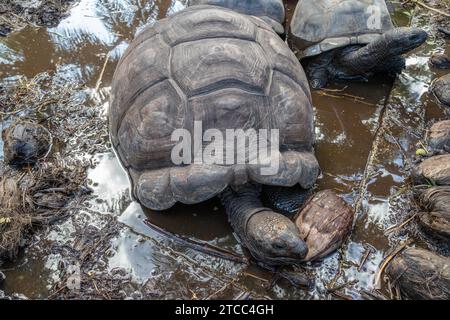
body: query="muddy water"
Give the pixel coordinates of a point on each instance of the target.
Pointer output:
(360, 159)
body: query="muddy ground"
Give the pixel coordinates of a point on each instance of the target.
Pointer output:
(102, 246)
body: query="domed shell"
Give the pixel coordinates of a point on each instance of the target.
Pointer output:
(322, 25)
(271, 11)
(228, 70)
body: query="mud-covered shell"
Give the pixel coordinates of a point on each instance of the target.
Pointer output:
(322, 25)
(271, 11)
(228, 70)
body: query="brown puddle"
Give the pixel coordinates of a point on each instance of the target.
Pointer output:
(346, 126)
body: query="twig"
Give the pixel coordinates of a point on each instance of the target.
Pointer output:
(377, 282)
(345, 96)
(341, 286)
(99, 81)
(400, 148)
(341, 295)
(423, 146)
(406, 188)
(404, 223)
(373, 295)
(200, 246)
(194, 295)
(431, 8)
(221, 289)
(364, 258)
(56, 292)
(254, 276)
(244, 295)
(334, 90)
(10, 113)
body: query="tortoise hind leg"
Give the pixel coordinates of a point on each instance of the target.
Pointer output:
(286, 200)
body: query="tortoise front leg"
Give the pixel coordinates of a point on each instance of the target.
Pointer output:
(391, 67)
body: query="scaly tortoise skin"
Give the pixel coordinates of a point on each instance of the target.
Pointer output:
(230, 71)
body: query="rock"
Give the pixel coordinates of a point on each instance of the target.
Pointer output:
(436, 199)
(441, 89)
(25, 142)
(324, 222)
(435, 169)
(439, 136)
(440, 60)
(421, 274)
(2, 277)
(435, 226)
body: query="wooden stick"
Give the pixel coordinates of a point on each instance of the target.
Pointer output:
(99, 81)
(393, 228)
(221, 289)
(348, 97)
(431, 8)
(341, 295)
(341, 286)
(200, 245)
(386, 261)
(364, 258)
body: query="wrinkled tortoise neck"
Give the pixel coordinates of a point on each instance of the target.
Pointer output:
(389, 45)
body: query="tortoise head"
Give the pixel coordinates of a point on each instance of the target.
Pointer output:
(401, 40)
(275, 239)
(357, 60)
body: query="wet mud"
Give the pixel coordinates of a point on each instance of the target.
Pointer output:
(367, 138)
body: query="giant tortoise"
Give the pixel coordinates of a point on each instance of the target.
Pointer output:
(271, 11)
(350, 39)
(228, 71)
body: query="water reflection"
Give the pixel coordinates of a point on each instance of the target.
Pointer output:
(346, 129)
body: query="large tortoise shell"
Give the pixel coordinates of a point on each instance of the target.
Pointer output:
(228, 70)
(322, 25)
(271, 11)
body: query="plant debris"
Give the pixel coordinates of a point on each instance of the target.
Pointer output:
(16, 14)
(41, 193)
(36, 197)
